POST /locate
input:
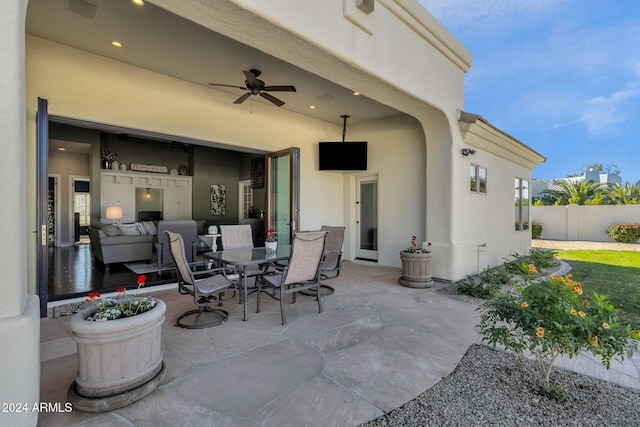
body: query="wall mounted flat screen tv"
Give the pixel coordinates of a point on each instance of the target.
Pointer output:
(351, 155)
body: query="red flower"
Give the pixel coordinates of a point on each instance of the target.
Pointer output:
(93, 296)
(141, 280)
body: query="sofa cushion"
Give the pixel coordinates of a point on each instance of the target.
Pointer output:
(125, 240)
(111, 230)
(129, 230)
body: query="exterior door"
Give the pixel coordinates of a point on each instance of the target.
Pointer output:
(367, 218)
(283, 193)
(42, 205)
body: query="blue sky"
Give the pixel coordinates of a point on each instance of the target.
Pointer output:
(562, 76)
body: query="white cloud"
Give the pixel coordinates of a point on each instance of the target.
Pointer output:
(602, 114)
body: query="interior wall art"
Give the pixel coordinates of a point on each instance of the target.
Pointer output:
(218, 198)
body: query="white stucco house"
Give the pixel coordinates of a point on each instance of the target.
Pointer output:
(442, 174)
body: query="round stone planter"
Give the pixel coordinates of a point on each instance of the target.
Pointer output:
(416, 270)
(119, 361)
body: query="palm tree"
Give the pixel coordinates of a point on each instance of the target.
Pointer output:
(574, 193)
(627, 194)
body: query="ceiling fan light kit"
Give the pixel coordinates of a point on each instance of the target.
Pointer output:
(256, 86)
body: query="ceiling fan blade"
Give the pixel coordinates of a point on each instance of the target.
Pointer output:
(280, 88)
(272, 99)
(233, 86)
(242, 98)
(251, 78)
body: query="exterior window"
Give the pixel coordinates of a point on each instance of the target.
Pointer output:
(522, 204)
(478, 179)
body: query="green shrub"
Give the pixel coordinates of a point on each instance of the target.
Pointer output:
(542, 258)
(536, 229)
(624, 232)
(484, 285)
(548, 317)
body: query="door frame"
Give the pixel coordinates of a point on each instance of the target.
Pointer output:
(42, 185)
(368, 177)
(294, 187)
(241, 187)
(72, 179)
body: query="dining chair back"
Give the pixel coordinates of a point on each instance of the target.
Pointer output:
(236, 237)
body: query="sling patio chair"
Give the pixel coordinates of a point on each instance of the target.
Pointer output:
(240, 237)
(207, 291)
(330, 264)
(301, 273)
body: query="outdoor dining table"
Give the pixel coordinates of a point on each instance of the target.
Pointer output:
(244, 258)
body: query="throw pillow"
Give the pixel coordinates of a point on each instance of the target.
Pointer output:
(111, 230)
(141, 228)
(129, 230)
(151, 227)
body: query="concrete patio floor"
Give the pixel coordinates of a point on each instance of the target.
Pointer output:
(375, 346)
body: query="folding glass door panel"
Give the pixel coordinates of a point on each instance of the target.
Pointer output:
(42, 192)
(283, 195)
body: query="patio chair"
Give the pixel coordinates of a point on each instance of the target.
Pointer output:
(330, 265)
(206, 291)
(188, 231)
(239, 237)
(301, 273)
(236, 237)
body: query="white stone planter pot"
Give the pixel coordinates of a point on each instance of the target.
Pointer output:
(416, 270)
(119, 361)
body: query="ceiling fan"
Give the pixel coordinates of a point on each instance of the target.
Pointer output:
(256, 86)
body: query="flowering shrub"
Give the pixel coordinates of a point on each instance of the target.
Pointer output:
(118, 307)
(271, 235)
(549, 317)
(624, 232)
(415, 249)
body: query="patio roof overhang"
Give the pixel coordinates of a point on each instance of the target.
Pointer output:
(478, 132)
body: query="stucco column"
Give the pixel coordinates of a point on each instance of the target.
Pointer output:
(19, 311)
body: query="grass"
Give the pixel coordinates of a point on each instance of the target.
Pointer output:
(612, 273)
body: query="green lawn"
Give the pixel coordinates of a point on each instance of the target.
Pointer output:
(612, 273)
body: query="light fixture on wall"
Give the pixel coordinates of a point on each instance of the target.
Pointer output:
(114, 213)
(467, 151)
(148, 195)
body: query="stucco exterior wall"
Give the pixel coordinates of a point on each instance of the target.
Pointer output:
(576, 222)
(487, 218)
(19, 311)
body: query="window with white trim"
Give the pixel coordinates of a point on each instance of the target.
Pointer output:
(522, 204)
(478, 179)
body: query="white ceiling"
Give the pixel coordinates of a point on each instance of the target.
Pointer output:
(162, 42)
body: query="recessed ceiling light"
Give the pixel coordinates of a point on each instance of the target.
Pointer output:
(137, 2)
(61, 149)
(312, 106)
(116, 44)
(356, 93)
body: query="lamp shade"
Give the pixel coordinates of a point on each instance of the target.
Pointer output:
(113, 212)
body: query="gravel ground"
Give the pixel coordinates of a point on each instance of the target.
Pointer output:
(494, 388)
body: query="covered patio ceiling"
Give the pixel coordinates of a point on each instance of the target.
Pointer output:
(157, 40)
